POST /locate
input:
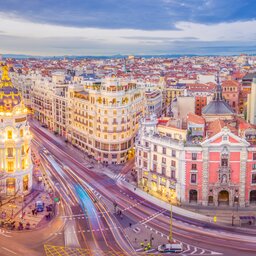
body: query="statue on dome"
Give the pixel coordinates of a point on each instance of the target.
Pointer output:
(5, 74)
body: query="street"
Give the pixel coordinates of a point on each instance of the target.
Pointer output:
(192, 234)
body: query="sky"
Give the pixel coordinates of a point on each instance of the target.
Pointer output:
(128, 27)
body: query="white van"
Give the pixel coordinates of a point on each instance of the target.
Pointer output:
(170, 248)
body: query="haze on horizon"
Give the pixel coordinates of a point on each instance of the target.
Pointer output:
(108, 27)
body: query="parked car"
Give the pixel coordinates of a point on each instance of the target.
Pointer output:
(170, 248)
(39, 206)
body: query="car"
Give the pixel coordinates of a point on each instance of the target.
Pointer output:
(164, 248)
(44, 125)
(39, 206)
(46, 151)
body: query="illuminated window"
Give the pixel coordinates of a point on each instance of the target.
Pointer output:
(22, 150)
(10, 166)
(154, 176)
(10, 186)
(25, 183)
(21, 133)
(9, 134)
(23, 164)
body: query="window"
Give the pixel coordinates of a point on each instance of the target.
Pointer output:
(173, 163)
(164, 170)
(194, 167)
(224, 162)
(155, 148)
(21, 132)
(254, 178)
(10, 166)
(254, 166)
(155, 157)
(173, 174)
(194, 156)
(146, 144)
(22, 150)
(193, 178)
(145, 164)
(10, 152)
(154, 167)
(9, 134)
(163, 160)
(164, 151)
(145, 154)
(173, 153)
(225, 138)
(254, 156)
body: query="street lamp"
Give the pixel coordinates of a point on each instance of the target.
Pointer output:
(170, 235)
(22, 206)
(235, 202)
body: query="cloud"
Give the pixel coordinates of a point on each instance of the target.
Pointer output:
(19, 35)
(130, 14)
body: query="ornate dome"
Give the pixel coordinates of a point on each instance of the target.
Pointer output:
(218, 106)
(9, 96)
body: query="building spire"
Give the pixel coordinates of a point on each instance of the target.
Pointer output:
(218, 92)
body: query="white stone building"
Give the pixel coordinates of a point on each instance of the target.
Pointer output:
(15, 139)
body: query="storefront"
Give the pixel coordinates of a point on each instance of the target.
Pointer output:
(10, 186)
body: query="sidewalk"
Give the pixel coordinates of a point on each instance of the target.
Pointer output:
(12, 211)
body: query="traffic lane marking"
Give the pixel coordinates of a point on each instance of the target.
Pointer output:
(8, 250)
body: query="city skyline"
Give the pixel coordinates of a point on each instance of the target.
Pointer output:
(111, 27)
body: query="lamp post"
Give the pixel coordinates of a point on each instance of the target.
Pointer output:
(235, 202)
(170, 235)
(22, 206)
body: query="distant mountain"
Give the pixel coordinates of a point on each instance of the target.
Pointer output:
(118, 56)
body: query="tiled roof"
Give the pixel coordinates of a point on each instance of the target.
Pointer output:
(192, 118)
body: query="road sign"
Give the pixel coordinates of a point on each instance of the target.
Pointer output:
(56, 199)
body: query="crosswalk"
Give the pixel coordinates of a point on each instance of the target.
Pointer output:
(187, 250)
(120, 177)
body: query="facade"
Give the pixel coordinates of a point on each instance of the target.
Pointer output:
(154, 102)
(24, 85)
(49, 102)
(172, 92)
(104, 117)
(15, 139)
(159, 159)
(212, 163)
(231, 93)
(200, 103)
(251, 104)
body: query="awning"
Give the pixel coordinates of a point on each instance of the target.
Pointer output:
(247, 218)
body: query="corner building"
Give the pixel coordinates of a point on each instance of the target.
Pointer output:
(104, 117)
(212, 163)
(15, 138)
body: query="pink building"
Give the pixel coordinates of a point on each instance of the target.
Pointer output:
(221, 169)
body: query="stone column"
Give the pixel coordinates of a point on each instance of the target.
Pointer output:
(205, 178)
(243, 162)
